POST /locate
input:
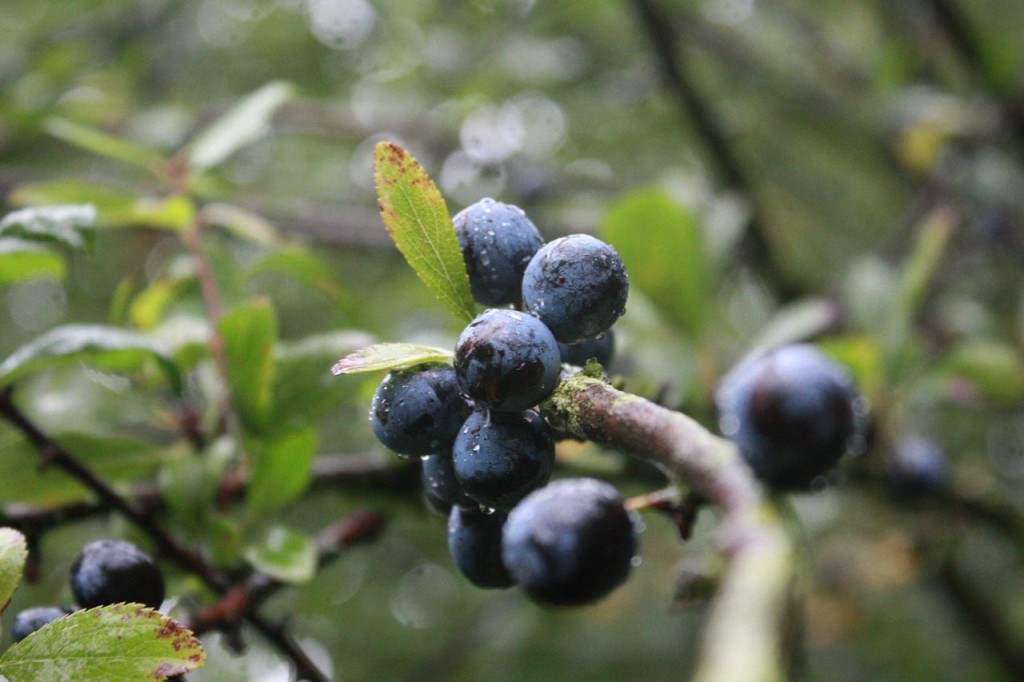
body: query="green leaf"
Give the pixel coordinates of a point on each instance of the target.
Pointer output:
(13, 553)
(103, 144)
(190, 485)
(417, 219)
(64, 225)
(115, 207)
(242, 223)
(22, 260)
(284, 554)
(119, 642)
(798, 322)
(109, 348)
(862, 355)
(302, 265)
(245, 123)
(660, 243)
(249, 333)
(995, 370)
(389, 356)
(281, 471)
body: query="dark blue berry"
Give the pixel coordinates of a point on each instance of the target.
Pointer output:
(791, 411)
(115, 571)
(474, 542)
(497, 242)
(915, 470)
(417, 411)
(28, 621)
(441, 487)
(577, 286)
(601, 349)
(570, 543)
(501, 457)
(507, 360)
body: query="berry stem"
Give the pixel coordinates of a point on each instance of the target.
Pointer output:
(742, 638)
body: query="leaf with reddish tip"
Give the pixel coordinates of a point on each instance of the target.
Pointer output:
(389, 356)
(417, 220)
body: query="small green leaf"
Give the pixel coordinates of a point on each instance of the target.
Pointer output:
(995, 370)
(281, 471)
(284, 554)
(115, 207)
(862, 355)
(302, 265)
(417, 219)
(65, 225)
(798, 322)
(660, 243)
(13, 552)
(108, 348)
(22, 260)
(389, 356)
(119, 642)
(245, 123)
(104, 144)
(242, 223)
(249, 333)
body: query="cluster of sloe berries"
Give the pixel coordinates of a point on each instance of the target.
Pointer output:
(487, 453)
(106, 572)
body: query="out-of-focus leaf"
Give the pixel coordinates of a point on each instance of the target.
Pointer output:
(115, 207)
(109, 348)
(242, 223)
(22, 260)
(660, 243)
(863, 356)
(994, 369)
(417, 219)
(249, 333)
(103, 144)
(389, 356)
(190, 485)
(119, 642)
(13, 552)
(148, 307)
(65, 225)
(281, 471)
(245, 123)
(284, 554)
(302, 265)
(798, 322)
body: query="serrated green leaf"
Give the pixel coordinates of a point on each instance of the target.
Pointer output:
(22, 260)
(798, 321)
(115, 207)
(281, 471)
(242, 223)
(418, 221)
(994, 369)
(250, 333)
(104, 144)
(110, 348)
(389, 356)
(68, 225)
(660, 243)
(245, 123)
(13, 552)
(119, 642)
(284, 554)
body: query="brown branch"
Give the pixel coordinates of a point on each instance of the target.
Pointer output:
(741, 640)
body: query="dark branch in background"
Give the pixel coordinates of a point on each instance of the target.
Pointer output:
(663, 39)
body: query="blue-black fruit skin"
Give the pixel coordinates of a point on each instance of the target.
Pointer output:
(28, 621)
(418, 410)
(916, 470)
(577, 286)
(114, 571)
(792, 411)
(570, 543)
(507, 360)
(440, 485)
(497, 241)
(501, 457)
(474, 542)
(601, 348)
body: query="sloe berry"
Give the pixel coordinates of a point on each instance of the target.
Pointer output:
(418, 410)
(114, 571)
(915, 470)
(577, 286)
(507, 360)
(791, 410)
(28, 621)
(500, 457)
(474, 542)
(601, 348)
(570, 543)
(497, 242)
(440, 486)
